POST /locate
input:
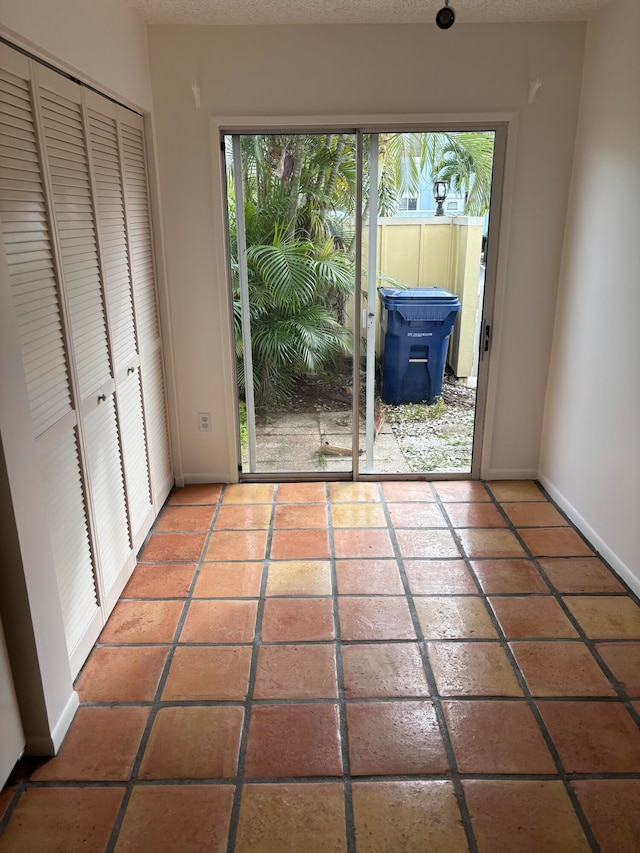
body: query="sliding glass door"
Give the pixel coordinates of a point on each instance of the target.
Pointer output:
(357, 265)
(425, 231)
(292, 246)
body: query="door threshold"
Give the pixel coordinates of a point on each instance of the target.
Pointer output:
(333, 477)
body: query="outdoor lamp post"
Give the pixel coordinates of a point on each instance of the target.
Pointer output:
(440, 193)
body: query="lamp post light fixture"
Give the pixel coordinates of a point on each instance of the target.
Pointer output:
(440, 189)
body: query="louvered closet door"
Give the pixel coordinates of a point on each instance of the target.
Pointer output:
(74, 216)
(34, 277)
(111, 215)
(139, 234)
(67, 163)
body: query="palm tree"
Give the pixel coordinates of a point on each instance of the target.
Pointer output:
(465, 161)
(298, 271)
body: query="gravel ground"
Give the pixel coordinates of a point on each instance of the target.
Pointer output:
(438, 438)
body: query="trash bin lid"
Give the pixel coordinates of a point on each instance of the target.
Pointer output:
(392, 297)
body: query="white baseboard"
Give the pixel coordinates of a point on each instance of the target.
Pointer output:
(510, 474)
(618, 565)
(49, 745)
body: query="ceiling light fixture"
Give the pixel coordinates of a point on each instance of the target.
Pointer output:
(446, 16)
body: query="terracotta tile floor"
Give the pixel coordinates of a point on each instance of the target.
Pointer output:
(371, 668)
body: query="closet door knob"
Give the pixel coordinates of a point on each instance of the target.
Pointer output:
(102, 398)
(130, 370)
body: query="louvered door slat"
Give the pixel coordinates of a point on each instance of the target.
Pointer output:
(91, 324)
(32, 291)
(38, 362)
(18, 137)
(62, 124)
(24, 209)
(23, 260)
(14, 230)
(14, 107)
(31, 212)
(73, 560)
(22, 158)
(77, 234)
(107, 490)
(80, 269)
(26, 193)
(23, 243)
(105, 159)
(38, 313)
(45, 407)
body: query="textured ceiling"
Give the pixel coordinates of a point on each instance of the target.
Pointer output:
(358, 11)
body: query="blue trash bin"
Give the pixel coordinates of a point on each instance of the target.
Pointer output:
(416, 325)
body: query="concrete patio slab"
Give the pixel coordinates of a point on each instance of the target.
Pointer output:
(293, 442)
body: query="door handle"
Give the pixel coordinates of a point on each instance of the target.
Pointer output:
(102, 398)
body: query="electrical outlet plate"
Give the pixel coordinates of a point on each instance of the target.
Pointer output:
(204, 421)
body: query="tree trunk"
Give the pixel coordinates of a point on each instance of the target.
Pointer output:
(322, 172)
(333, 175)
(294, 184)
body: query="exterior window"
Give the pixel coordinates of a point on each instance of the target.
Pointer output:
(408, 204)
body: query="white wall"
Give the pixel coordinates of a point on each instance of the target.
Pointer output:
(590, 457)
(103, 41)
(326, 70)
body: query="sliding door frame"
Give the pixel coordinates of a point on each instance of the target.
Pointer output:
(503, 124)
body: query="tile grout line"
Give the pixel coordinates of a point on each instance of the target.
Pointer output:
(460, 792)
(350, 829)
(229, 703)
(621, 697)
(558, 596)
(20, 790)
(552, 591)
(453, 775)
(589, 643)
(371, 777)
(234, 818)
(563, 776)
(26, 783)
(157, 704)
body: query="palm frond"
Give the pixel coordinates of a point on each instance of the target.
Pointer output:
(465, 161)
(285, 270)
